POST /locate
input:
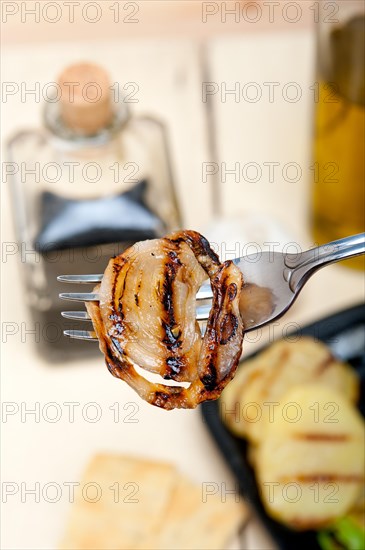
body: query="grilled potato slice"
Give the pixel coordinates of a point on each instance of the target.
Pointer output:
(310, 463)
(261, 382)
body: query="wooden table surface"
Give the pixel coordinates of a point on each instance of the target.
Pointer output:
(170, 75)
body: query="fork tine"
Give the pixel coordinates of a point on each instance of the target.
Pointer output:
(205, 292)
(81, 279)
(79, 296)
(76, 315)
(81, 335)
(202, 312)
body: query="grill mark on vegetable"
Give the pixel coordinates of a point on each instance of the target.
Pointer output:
(232, 291)
(200, 247)
(201, 242)
(117, 266)
(325, 364)
(160, 398)
(209, 379)
(136, 296)
(117, 345)
(322, 477)
(170, 271)
(117, 324)
(118, 316)
(228, 328)
(318, 437)
(315, 523)
(174, 367)
(116, 269)
(174, 364)
(120, 303)
(171, 341)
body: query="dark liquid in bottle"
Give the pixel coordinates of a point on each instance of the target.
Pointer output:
(79, 237)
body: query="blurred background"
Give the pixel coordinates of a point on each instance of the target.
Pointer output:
(242, 120)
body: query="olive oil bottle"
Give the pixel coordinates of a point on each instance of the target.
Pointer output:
(339, 133)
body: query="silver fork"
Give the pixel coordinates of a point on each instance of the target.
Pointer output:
(272, 281)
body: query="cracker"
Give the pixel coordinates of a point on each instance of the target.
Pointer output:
(195, 520)
(119, 521)
(156, 509)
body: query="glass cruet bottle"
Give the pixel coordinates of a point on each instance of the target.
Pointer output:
(90, 182)
(338, 193)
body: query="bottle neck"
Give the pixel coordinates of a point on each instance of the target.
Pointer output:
(67, 139)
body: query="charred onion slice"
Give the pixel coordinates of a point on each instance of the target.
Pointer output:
(146, 317)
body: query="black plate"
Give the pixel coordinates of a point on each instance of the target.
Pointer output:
(345, 329)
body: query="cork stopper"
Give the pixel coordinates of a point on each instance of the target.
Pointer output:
(86, 105)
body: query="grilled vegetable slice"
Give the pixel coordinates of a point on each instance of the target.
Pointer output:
(310, 463)
(261, 382)
(146, 317)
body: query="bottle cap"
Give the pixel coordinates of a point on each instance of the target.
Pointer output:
(86, 105)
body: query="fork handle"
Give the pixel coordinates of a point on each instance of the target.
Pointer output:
(300, 269)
